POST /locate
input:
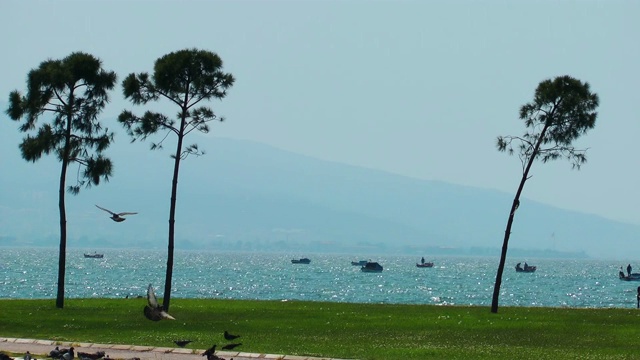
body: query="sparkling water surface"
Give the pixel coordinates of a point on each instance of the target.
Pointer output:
(31, 273)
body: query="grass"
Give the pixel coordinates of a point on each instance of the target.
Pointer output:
(339, 330)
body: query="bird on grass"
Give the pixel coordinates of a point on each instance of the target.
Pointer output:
(117, 217)
(182, 343)
(230, 337)
(154, 311)
(231, 346)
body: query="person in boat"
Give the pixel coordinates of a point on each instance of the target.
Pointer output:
(621, 273)
(518, 267)
(526, 266)
(422, 260)
(629, 269)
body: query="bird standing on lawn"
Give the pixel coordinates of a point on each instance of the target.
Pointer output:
(117, 217)
(182, 343)
(230, 337)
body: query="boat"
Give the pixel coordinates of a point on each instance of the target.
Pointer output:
(300, 261)
(527, 268)
(359, 263)
(94, 256)
(371, 267)
(424, 265)
(630, 277)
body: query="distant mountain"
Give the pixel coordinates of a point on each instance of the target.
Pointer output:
(247, 196)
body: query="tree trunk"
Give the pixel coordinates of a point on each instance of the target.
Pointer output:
(507, 232)
(172, 219)
(62, 259)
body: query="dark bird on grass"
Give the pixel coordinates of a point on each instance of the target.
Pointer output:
(68, 355)
(117, 217)
(182, 343)
(154, 311)
(210, 352)
(95, 356)
(231, 346)
(230, 337)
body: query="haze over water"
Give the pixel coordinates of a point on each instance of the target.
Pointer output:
(31, 273)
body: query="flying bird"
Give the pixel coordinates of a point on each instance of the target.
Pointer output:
(210, 353)
(117, 217)
(153, 311)
(229, 336)
(230, 346)
(182, 343)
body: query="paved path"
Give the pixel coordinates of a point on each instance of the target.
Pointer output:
(41, 348)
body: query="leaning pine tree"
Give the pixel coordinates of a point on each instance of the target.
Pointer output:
(562, 110)
(73, 91)
(185, 78)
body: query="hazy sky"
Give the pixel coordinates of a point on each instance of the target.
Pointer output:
(419, 88)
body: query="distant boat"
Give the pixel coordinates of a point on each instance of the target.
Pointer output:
(371, 267)
(301, 261)
(424, 265)
(631, 277)
(359, 263)
(527, 268)
(94, 256)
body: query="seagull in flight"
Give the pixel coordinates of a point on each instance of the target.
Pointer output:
(153, 311)
(117, 217)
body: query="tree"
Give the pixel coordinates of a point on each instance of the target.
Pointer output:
(74, 91)
(185, 78)
(562, 110)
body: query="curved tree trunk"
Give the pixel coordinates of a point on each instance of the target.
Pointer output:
(507, 232)
(172, 218)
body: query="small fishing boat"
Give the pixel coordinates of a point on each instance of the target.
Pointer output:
(424, 265)
(301, 261)
(94, 256)
(630, 277)
(527, 268)
(371, 267)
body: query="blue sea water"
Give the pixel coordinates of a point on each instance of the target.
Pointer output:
(31, 273)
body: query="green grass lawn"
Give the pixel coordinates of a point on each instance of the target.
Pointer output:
(341, 330)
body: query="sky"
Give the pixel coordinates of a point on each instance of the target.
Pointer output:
(417, 88)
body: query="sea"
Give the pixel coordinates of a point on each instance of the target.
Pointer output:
(31, 273)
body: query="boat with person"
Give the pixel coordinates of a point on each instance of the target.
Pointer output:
(94, 256)
(630, 277)
(424, 264)
(527, 268)
(301, 261)
(371, 267)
